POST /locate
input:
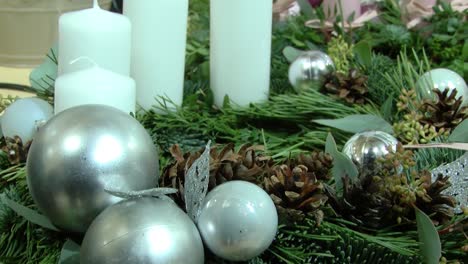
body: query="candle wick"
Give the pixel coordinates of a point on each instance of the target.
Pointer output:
(95, 4)
(86, 59)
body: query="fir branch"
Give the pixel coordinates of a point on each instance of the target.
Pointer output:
(333, 243)
(299, 108)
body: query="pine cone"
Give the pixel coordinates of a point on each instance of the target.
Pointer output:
(16, 151)
(225, 165)
(446, 112)
(439, 206)
(295, 191)
(388, 198)
(362, 203)
(351, 87)
(320, 163)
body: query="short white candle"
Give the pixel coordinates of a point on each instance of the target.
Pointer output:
(349, 7)
(240, 50)
(95, 85)
(159, 32)
(103, 36)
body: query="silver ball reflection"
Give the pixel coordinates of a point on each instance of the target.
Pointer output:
(365, 148)
(310, 68)
(238, 221)
(142, 230)
(79, 153)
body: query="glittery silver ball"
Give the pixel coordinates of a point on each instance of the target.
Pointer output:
(238, 221)
(310, 69)
(142, 230)
(81, 152)
(365, 148)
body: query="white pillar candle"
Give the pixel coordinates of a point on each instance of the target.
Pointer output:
(103, 36)
(95, 85)
(159, 33)
(349, 7)
(240, 50)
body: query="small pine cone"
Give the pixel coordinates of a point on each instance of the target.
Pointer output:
(226, 164)
(295, 191)
(351, 88)
(446, 112)
(15, 149)
(432, 201)
(320, 163)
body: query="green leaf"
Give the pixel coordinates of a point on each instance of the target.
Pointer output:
(363, 53)
(70, 253)
(306, 8)
(291, 53)
(429, 240)
(460, 133)
(29, 214)
(357, 123)
(342, 165)
(43, 77)
(386, 109)
(465, 51)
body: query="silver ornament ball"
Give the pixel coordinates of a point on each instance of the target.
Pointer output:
(441, 79)
(81, 152)
(310, 69)
(142, 230)
(238, 221)
(365, 148)
(23, 116)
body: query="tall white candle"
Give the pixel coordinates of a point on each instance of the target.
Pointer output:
(240, 50)
(348, 7)
(95, 85)
(158, 52)
(103, 36)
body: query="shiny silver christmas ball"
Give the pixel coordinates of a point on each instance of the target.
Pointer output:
(81, 152)
(142, 230)
(238, 221)
(365, 148)
(310, 69)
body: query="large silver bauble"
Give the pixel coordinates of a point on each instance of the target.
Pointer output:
(441, 79)
(81, 152)
(238, 221)
(142, 230)
(365, 148)
(310, 69)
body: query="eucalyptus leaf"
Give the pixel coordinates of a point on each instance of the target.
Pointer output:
(386, 109)
(43, 77)
(363, 53)
(460, 133)
(29, 214)
(291, 53)
(306, 8)
(357, 123)
(342, 165)
(465, 51)
(70, 253)
(429, 241)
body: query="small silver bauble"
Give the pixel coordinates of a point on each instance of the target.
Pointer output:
(22, 117)
(441, 79)
(238, 221)
(83, 151)
(365, 148)
(142, 230)
(309, 69)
